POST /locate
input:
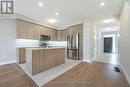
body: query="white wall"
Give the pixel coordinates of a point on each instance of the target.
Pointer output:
(124, 40)
(7, 41)
(88, 40)
(108, 30)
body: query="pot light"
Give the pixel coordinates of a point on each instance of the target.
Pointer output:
(56, 13)
(51, 20)
(102, 4)
(40, 4)
(107, 21)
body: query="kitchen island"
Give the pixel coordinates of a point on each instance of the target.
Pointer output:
(40, 59)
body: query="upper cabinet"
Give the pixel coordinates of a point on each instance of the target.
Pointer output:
(77, 29)
(50, 32)
(65, 33)
(27, 30)
(53, 34)
(21, 29)
(59, 35)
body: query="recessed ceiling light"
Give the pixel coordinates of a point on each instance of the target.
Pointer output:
(56, 13)
(40, 4)
(51, 20)
(107, 21)
(102, 4)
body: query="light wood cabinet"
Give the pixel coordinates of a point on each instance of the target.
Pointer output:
(36, 32)
(21, 29)
(44, 59)
(44, 30)
(65, 33)
(50, 32)
(36, 59)
(59, 35)
(53, 34)
(22, 55)
(27, 30)
(30, 29)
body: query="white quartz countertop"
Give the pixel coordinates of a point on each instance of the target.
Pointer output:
(40, 48)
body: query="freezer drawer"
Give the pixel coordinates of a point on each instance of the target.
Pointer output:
(73, 54)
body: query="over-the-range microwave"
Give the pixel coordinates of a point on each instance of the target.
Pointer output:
(44, 38)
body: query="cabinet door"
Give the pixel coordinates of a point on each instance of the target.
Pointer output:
(30, 28)
(53, 34)
(36, 32)
(36, 56)
(59, 35)
(64, 34)
(22, 55)
(33, 31)
(21, 29)
(43, 60)
(50, 58)
(44, 30)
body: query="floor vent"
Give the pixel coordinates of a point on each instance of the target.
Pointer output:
(117, 69)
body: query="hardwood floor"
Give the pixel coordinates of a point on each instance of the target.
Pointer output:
(83, 75)
(90, 75)
(13, 76)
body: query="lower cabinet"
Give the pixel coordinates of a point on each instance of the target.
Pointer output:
(22, 55)
(46, 59)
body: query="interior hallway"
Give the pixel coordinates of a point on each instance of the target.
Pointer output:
(108, 58)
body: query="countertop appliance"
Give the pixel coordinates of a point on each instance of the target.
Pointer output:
(43, 40)
(73, 46)
(43, 44)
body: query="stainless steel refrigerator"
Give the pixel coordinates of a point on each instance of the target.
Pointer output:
(73, 47)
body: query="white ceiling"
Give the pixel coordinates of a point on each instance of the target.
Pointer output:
(70, 11)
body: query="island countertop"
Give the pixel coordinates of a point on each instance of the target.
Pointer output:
(42, 48)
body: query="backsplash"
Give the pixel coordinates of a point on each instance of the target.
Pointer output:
(27, 43)
(35, 43)
(57, 43)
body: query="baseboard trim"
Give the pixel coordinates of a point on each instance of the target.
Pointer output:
(9, 62)
(125, 73)
(87, 61)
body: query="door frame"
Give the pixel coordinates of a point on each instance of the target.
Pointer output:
(115, 37)
(112, 43)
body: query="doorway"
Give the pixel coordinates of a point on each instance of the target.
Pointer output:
(108, 44)
(109, 48)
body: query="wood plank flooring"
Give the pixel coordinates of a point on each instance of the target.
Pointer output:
(90, 75)
(13, 76)
(83, 75)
